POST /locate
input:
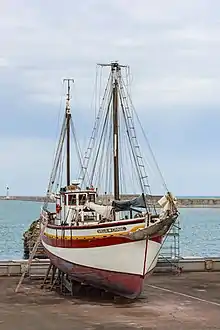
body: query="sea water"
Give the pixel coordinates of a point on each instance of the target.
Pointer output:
(199, 234)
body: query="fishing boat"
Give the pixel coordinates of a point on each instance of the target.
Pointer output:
(97, 236)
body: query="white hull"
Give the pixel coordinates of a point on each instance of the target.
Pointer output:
(106, 255)
(138, 257)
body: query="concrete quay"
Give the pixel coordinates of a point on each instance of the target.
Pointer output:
(209, 202)
(190, 301)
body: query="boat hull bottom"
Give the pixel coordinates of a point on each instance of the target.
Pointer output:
(122, 284)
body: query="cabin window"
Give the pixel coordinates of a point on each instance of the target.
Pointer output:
(72, 199)
(92, 198)
(82, 199)
(63, 199)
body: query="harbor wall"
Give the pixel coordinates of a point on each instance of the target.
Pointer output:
(183, 202)
(38, 268)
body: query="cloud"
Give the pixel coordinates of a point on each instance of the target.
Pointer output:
(172, 48)
(160, 42)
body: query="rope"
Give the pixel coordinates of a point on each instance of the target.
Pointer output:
(99, 145)
(147, 141)
(91, 146)
(56, 164)
(78, 151)
(58, 120)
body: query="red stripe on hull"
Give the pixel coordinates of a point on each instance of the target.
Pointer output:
(126, 285)
(95, 242)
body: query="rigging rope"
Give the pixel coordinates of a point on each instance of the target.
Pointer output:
(99, 145)
(61, 169)
(95, 161)
(147, 141)
(56, 163)
(78, 151)
(103, 166)
(58, 120)
(87, 156)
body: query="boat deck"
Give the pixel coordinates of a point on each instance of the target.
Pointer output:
(186, 301)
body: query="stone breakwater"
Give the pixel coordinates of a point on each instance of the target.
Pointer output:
(182, 202)
(199, 202)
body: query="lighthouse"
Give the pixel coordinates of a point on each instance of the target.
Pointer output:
(7, 192)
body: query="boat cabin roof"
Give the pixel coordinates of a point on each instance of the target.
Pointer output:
(75, 189)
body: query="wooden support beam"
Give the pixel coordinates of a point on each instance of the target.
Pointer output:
(54, 269)
(47, 275)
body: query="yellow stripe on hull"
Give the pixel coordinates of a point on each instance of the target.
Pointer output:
(94, 236)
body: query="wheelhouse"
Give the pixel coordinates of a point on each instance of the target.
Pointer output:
(70, 205)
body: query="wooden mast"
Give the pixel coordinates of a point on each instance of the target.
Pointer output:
(115, 68)
(68, 118)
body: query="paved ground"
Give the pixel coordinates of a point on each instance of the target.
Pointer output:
(36, 309)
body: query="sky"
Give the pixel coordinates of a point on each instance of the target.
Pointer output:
(173, 50)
